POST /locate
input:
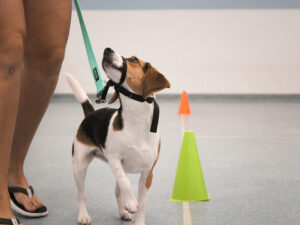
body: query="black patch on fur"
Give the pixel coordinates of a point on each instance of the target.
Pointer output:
(145, 67)
(73, 149)
(87, 108)
(95, 125)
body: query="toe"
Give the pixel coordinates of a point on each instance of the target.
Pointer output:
(125, 215)
(36, 202)
(29, 206)
(24, 200)
(84, 219)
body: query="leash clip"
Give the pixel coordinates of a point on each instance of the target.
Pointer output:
(99, 98)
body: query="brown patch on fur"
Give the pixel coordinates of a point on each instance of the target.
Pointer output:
(144, 79)
(118, 121)
(113, 98)
(149, 180)
(82, 137)
(150, 175)
(135, 76)
(154, 82)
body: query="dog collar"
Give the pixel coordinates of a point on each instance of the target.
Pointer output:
(120, 89)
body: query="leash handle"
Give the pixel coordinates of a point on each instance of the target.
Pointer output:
(90, 53)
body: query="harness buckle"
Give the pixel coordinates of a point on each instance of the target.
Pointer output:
(149, 100)
(99, 100)
(101, 96)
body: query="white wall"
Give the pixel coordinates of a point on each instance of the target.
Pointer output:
(201, 51)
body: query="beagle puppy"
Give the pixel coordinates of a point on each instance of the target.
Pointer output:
(126, 138)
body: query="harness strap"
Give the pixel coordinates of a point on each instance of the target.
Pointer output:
(155, 117)
(124, 71)
(139, 98)
(131, 95)
(102, 97)
(120, 89)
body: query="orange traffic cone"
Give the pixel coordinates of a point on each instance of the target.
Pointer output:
(184, 108)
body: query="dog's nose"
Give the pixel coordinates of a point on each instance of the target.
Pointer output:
(108, 51)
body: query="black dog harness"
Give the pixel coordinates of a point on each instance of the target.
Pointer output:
(120, 89)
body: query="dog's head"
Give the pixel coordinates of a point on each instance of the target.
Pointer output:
(141, 77)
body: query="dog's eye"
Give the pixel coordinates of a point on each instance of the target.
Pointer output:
(133, 60)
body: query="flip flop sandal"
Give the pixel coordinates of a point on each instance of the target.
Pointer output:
(14, 221)
(19, 208)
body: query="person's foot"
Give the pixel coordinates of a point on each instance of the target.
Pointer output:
(6, 224)
(20, 181)
(5, 209)
(9, 219)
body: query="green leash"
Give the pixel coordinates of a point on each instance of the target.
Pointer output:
(90, 53)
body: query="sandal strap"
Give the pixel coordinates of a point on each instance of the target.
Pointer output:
(27, 191)
(13, 221)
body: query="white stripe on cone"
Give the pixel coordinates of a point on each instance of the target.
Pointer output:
(187, 220)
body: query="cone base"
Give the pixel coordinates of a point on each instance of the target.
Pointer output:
(207, 198)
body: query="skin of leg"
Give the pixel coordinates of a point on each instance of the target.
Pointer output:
(124, 214)
(48, 23)
(12, 35)
(143, 194)
(81, 159)
(127, 195)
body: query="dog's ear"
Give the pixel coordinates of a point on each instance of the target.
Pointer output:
(153, 81)
(114, 98)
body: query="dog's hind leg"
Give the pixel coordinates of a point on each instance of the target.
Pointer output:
(124, 214)
(82, 157)
(127, 197)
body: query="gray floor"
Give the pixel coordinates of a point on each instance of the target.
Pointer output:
(249, 150)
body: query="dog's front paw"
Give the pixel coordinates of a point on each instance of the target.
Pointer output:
(125, 215)
(139, 222)
(84, 219)
(130, 203)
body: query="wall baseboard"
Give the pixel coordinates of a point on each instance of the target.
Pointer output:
(205, 97)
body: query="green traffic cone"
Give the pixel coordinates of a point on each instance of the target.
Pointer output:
(189, 182)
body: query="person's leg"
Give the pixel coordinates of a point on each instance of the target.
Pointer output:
(12, 34)
(48, 23)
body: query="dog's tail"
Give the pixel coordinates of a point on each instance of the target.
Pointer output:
(80, 95)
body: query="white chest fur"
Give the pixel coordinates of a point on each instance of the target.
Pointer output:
(134, 145)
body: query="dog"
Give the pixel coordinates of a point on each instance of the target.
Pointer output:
(126, 138)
